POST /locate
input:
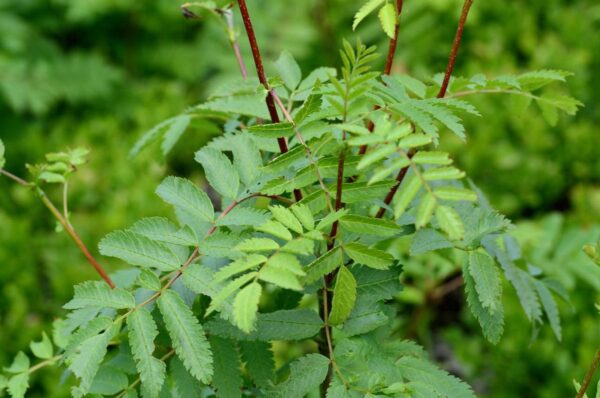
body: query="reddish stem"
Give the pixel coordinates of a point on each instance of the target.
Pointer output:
(77, 240)
(392, 192)
(388, 65)
(260, 70)
(455, 47)
(441, 94)
(589, 375)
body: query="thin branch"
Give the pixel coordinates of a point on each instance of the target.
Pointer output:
(390, 195)
(260, 70)
(589, 375)
(75, 237)
(388, 65)
(16, 179)
(455, 47)
(307, 150)
(442, 93)
(393, 41)
(228, 17)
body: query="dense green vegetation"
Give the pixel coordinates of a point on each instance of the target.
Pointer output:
(97, 74)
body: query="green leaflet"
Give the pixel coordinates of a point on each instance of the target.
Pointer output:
(244, 216)
(42, 349)
(306, 374)
(109, 381)
(239, 104)
(18, 385)
(487, 280)
(416, 369)
(425, 210)
(257, 245)
(142, 332)
(227, 377)
(174, 132)
(304, 215)
(219, 171)
(521, 280)
(276, 229)
(259, 361)
(184, 384)
(492, 323)
(86, 362)
(365, 10)
(387, 18)
(225, 292)
(289, 325)
(2, 160)
(99, 294)
(324, 265)
(455, 194)
(407, 193)
(187, 198)
(138, 250)
(288, 69)
(187, 336)
(426, 240)
(20, 364)
(450, 222)
(201, 280)
(273, 130)
(245, 306)
(238, 266)
(160, 229)
(370, 257)
(443, 173)
(550, 308)
(427, 157)
(149, 280)
(344, 296)
(369, 225)
(287, 217)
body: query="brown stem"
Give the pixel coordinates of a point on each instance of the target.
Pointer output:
(390, 195)
(455, 47)
(393, 41)
(260, 70)
(73, 234)
(228, 17)
(441, 94)
(589, 375)
(388, 66)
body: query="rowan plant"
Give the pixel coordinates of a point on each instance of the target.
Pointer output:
(319, 174)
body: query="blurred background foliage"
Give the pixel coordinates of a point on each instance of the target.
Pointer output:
(97, 73)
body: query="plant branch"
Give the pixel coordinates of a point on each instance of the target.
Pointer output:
(16, 179)
(589, 375)
(260, 70)
(388, 64)
(75, 237)
(442, 93)
(455, 46)
(228, 17)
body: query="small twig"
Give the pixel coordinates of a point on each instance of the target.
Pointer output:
(260, 70)
(228, 17)
(388, 66)
(455, 47)
(442, 93)
(16, 179)
(66, 202)
(75, 237)
(589, 375)
(307, 150)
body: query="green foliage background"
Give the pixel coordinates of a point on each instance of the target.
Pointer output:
(98, 73)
